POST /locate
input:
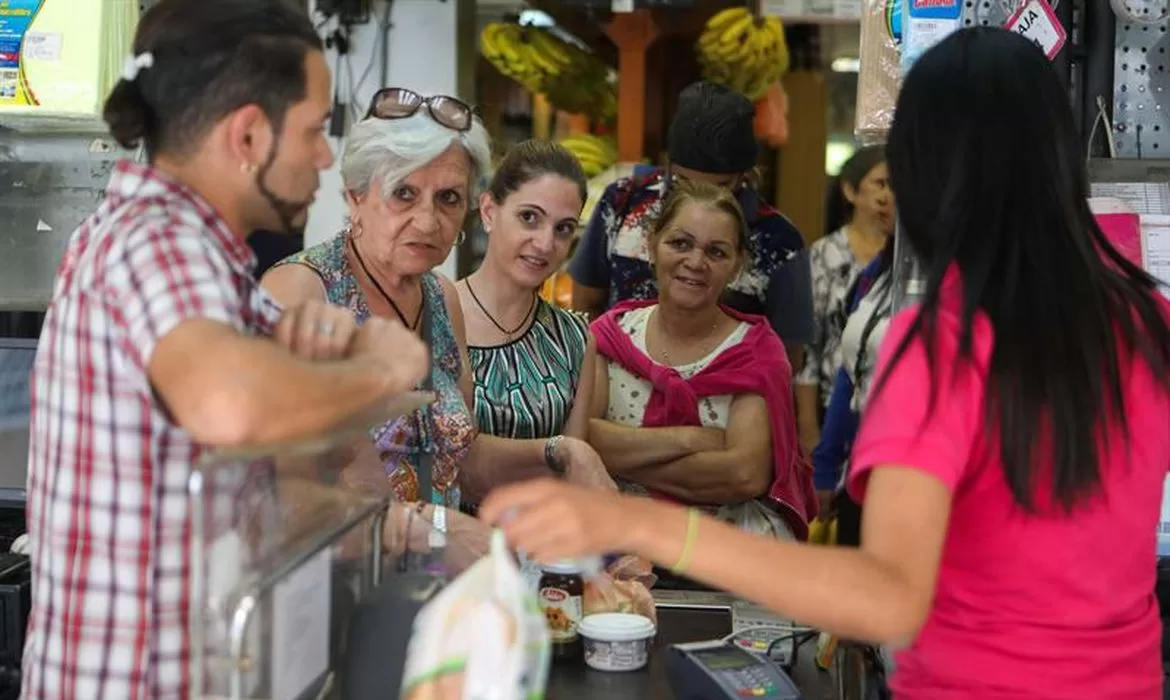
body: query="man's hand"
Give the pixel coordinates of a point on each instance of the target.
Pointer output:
(583, 466)
(405, 357)
(314, 330)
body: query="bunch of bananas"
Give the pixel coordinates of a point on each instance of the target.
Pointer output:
(573, 79)
(596, 153)
(742, 51)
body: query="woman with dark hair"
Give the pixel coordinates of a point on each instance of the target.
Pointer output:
(861, 215)
(532, 363)
(1015, 443)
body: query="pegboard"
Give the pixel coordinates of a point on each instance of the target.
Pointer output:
(990, 13)
(1141, 88)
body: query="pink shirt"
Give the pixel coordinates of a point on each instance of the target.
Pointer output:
(1026, 606)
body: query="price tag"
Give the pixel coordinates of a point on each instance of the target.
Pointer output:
(1036, 21)
(621, 6)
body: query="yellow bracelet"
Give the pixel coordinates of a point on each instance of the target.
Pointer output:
(684, 559)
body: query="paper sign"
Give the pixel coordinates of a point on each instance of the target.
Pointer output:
(1156, 239)
(621, 6)
(1036, 21)
(300, 627)
(42, 46)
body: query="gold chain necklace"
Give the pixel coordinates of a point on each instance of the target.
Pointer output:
(665, 354)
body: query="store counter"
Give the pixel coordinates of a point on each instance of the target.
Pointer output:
(682, 617)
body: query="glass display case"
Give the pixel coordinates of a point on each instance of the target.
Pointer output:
(287, 543)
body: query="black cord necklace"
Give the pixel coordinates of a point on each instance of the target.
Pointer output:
(509, 333)
(378, 286)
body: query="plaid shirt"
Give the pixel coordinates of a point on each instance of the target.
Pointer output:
(108, 508)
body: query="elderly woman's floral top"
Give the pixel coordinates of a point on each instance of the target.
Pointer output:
(440, 434)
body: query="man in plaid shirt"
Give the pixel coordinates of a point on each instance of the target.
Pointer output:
(158, 342)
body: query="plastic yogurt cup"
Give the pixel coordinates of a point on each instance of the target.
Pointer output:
(617, 641)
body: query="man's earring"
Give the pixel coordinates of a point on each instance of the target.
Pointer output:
(460, 237)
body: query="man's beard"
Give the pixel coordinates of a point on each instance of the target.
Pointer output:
(286, 210)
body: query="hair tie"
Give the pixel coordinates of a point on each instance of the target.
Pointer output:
(136, 64)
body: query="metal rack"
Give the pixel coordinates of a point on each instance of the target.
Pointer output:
(1141, 100)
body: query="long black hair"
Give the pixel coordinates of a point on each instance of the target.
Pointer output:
(838, 210)
(987, 166)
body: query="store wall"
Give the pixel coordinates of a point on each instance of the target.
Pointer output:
(418, 51)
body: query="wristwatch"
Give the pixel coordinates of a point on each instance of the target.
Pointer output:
(555, 465)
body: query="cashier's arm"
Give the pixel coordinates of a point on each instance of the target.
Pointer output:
(881, 592)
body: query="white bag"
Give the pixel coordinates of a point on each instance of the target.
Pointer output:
(483, 637)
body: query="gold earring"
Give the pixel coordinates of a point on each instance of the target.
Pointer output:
(247, 168)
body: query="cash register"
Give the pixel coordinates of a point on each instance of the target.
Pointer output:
(721, 669)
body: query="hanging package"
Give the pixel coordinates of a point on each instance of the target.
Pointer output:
(881, 68)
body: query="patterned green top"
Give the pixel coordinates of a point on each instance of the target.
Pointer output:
(440, 434)
(525, 389)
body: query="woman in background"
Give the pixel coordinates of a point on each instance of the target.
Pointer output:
(527, 356)
(861, 220)
(1015, 444)
(870, 306)
(693, 400)
(531, 362)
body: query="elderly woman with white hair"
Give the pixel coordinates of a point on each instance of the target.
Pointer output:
(412, 169)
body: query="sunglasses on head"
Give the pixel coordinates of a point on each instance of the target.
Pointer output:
(400, 103)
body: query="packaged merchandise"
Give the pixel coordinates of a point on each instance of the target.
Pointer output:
(483, 636)
(624, 587)
(881, 67)
(561, 590)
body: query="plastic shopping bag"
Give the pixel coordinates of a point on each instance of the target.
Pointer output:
(482, 638)
(624, 587)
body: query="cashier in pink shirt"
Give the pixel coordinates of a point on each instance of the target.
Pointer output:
(1012, 456)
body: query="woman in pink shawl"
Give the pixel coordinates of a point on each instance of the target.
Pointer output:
(693, 400)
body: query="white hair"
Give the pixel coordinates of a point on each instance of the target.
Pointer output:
(386, 151)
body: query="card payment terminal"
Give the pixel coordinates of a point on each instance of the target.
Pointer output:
(720, 670)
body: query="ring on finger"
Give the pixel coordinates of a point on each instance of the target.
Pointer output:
(325, 328)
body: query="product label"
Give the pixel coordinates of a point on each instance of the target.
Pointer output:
(925, 23)
(562, 612)
(16, 16)
(1037, 22)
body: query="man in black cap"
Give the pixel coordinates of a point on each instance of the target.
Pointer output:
(712, 139)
